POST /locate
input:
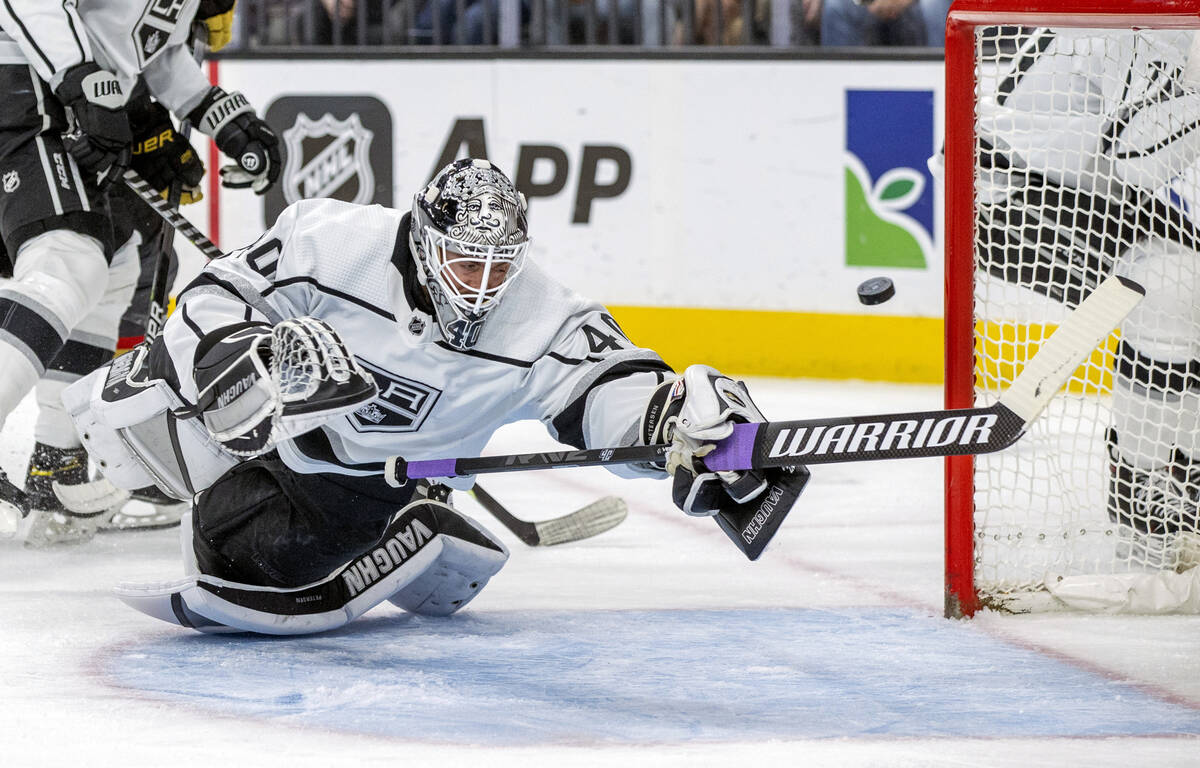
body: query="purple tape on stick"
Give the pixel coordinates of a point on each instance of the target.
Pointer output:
(419, 470)
(735, 451)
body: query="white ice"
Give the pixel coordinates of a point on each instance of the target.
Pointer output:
(654, 644)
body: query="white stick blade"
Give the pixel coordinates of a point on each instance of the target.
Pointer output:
(90, 498)
(595, 518)
(1083, 330)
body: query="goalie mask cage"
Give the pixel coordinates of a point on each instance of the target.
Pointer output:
(1022, 520)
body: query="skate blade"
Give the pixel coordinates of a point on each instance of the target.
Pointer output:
(10, 520)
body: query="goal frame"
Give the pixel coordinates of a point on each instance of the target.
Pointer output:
(961, 597)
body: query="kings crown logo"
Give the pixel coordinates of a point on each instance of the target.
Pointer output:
(402, 404)
(154, 27)
(889, 188)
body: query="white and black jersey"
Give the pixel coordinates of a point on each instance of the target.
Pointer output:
(545, 352)
(125, 37)
(1081, 106)
(1080, 138)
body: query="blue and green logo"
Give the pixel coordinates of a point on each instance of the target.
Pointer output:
(889, 190)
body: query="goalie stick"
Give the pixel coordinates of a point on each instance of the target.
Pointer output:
(585, 522)
(919, 434)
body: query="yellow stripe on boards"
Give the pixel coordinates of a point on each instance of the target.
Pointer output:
(1014, 343)
(791, 344)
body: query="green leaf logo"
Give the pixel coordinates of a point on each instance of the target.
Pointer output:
(878, 233)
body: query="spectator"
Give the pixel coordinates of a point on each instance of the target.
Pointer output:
(726, 26)
(871, 22)
(935, 21)
(480, 21)
(567, 22)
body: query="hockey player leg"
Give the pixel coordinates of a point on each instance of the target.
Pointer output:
(1156, 389)
(58, 458)
(57, 278)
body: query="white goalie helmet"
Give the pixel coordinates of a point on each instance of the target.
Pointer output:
(469, 236)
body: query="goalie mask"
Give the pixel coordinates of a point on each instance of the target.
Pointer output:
(469, 236)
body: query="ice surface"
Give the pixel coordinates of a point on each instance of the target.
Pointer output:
(656, 643)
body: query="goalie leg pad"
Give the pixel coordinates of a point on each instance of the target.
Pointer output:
(124, 418)
(470, 557)
(408, 563)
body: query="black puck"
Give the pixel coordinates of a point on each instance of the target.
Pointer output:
(876, 290)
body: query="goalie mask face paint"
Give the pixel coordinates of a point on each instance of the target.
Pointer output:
(470, 237)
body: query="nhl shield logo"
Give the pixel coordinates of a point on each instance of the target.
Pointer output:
(328, 158)
(12, 180)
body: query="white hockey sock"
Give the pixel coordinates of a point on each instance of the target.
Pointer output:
(17, 379)
(54, 426)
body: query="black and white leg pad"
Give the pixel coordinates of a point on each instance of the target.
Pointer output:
(430, 558)
(126, 420)
(470, 556)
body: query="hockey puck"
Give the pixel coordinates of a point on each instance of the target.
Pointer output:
(876, 290)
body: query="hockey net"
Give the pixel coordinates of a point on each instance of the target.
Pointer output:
(1069, 156)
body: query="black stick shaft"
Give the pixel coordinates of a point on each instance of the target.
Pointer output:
(525, 531)
(918, 434)
(172, 216)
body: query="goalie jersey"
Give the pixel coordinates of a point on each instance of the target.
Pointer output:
(125, 37)
(545, 353)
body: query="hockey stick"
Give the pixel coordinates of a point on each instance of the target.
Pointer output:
(156, 310)
(912, 435)
(172, 216)
(595, 518)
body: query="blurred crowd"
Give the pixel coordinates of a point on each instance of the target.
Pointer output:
(652, 23)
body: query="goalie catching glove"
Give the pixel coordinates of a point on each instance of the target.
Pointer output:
(692, 413)
(260, 385)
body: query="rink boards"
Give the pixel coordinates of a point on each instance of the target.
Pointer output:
(733, 228)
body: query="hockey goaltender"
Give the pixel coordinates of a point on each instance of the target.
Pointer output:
(346, 334)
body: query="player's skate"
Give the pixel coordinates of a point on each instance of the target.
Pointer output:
(1156, 511)
(13, 507)
(48, 521)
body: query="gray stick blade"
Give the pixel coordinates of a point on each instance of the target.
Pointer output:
(595, 518)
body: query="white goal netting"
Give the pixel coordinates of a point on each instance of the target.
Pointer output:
(1086, 143)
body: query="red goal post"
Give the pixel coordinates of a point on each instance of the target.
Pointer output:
(965, 18)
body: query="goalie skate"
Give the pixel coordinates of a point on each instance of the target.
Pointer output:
(149, 509)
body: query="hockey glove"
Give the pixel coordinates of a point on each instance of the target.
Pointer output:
(99, 136)
(260, 385)
(693, 413)
(217, 17)
(163, 157)
(230, 120)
